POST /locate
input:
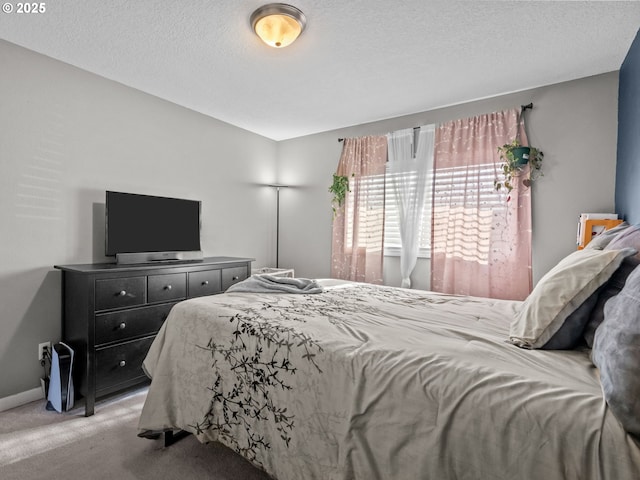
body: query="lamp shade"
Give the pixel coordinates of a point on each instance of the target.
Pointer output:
(278, 24)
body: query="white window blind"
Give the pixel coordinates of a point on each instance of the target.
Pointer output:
(467, 194)
(455, 186)
(452, 190)
(370, 193)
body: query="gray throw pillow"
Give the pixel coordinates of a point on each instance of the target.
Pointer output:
(570, 334)
(602, 240)
(604, 293)
(560, 293)
(616, 353)
(625, 238)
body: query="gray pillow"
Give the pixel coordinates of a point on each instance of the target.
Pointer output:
(629, 237)
(602, 240)
(560, 293)
(625, 238)
(604, 293)
(570, 334)
(616, 352)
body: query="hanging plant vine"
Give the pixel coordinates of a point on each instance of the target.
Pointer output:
(339, 189)
(513, 166)
(516, 157)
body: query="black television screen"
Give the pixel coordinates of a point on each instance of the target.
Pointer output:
(145, 223)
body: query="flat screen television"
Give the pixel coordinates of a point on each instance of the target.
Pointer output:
(147, 229)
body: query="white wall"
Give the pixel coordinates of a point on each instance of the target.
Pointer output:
(66, 136)
(574, 123)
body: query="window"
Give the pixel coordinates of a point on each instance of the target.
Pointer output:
(376, 195)
(486, 197)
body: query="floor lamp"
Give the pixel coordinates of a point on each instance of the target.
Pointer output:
(277, 186)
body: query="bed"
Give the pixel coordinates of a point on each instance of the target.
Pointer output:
(373, 382)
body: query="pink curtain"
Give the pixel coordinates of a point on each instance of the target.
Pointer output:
(358, 227)
(481, 239)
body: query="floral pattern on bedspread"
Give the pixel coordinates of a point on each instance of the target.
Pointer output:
(257, 370)
(258, 354)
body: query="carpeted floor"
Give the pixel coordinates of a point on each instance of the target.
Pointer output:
(39, 444)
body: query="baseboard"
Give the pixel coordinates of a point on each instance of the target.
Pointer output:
(22, 398)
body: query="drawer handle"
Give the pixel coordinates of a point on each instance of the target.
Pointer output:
(122, 326)
(122, 363)
(168, 287)
(206, 282)
(235, 278)
(122, 293)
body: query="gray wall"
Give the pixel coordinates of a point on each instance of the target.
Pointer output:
(574, 123)
(66, 136)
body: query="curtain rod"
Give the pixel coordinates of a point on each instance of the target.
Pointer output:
(342, 139)
(523, 107)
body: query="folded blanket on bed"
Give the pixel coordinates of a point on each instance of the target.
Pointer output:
(273, 284)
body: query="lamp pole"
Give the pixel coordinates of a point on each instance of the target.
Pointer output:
(277, 186)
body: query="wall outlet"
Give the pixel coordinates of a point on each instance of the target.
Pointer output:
(41, 348)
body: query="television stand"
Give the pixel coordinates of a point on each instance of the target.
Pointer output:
(153, 257)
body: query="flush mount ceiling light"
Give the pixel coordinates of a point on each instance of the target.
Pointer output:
(278, 24)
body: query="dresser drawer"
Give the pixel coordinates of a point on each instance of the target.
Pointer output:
(234, 275)
(127, 324)
(120, 292)
(121, 363)
(163, 288)
(204, 283)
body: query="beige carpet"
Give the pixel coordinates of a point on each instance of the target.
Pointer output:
(39, 444)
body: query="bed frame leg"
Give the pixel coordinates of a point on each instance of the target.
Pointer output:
(172, 437)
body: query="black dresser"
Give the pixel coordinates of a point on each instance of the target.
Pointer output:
(111, 314)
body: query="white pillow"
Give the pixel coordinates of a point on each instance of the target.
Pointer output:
(560, 292)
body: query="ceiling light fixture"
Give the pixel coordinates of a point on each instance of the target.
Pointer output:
(278, 24)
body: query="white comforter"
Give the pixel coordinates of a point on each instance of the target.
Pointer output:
(366, 382)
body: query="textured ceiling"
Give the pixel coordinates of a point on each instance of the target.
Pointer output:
(357, 61)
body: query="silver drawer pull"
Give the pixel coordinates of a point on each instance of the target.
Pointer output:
(235, 278)
(168, 287)
(122, 293)
(122, 363)
(206, 282)
(122, 326)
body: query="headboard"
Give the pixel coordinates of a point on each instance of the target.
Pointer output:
(627, 198)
